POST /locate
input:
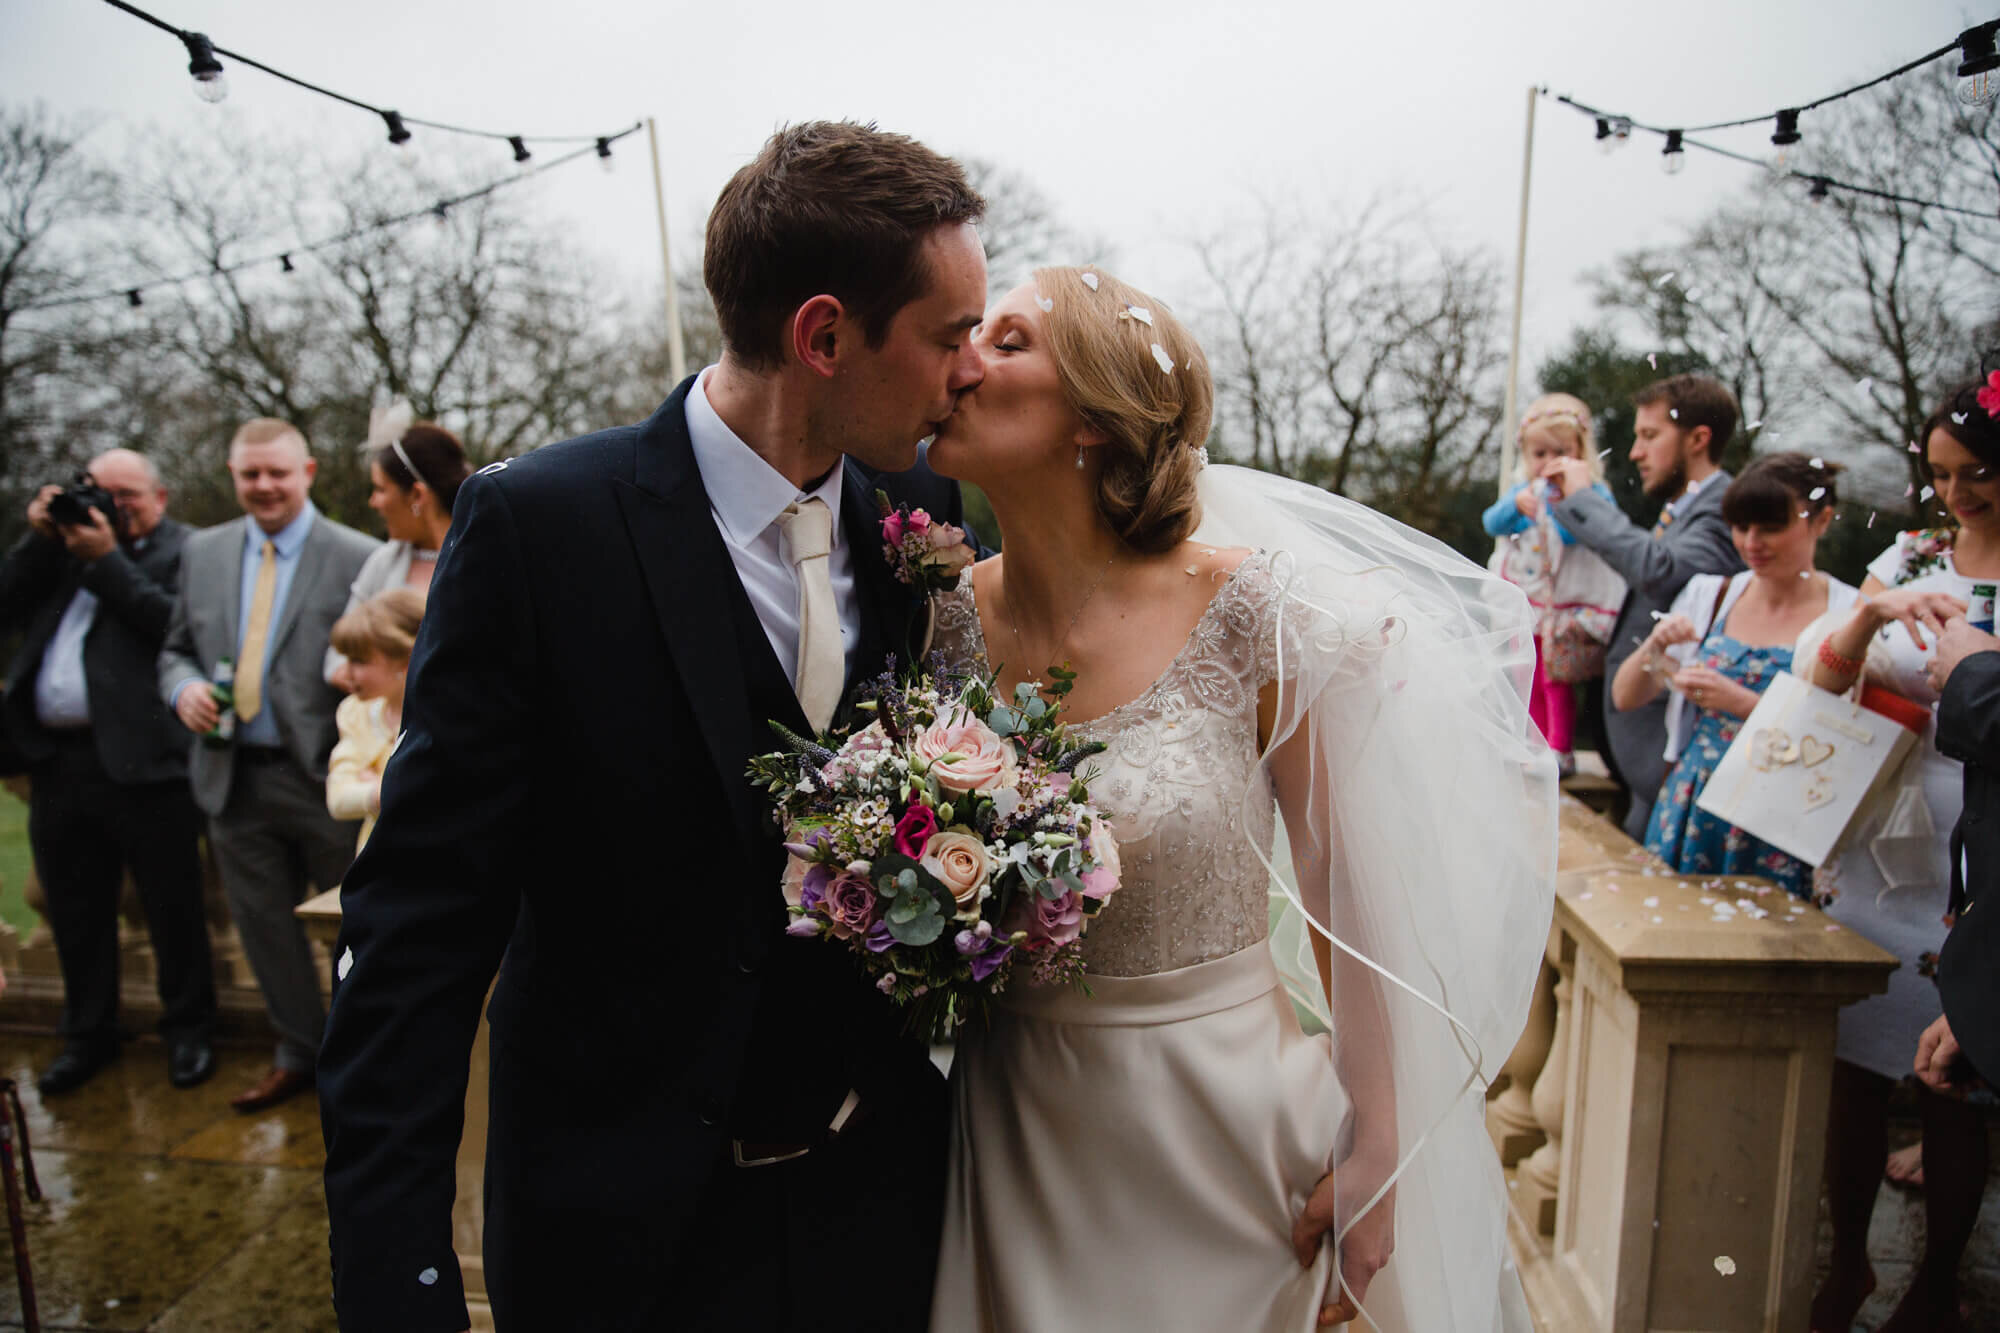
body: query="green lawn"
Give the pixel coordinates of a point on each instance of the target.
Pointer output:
(14, 863)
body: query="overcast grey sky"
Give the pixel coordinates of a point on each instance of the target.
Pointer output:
(1145, 123)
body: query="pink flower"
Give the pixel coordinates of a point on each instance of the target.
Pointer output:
(849, 905)
(892, 528)
(1101, 880)
(965, 755)
(919, 521)
(958, 858)
(1053, 921)
(1989, 395)
(870, 740)
(914, 830)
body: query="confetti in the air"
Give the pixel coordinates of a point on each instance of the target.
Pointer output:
(1694, 293)
(346, 964)
(1045, 303)
(1926, 493)
(1913, 447)
(1817, 491)
(1090, 281)
(1651, 359)
(1138, 312)
(1725, 1265)
(1864, 386)
(1674, 412)
(1664, 278)
(1957, 419)
(1753, 425)
(1160, 355)
(1871, 518)
(1819, 463)
(1604, 453)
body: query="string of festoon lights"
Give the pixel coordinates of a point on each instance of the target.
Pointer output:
(211, 85)
(1978, 49)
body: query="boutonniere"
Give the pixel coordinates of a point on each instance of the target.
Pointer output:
(922, 552)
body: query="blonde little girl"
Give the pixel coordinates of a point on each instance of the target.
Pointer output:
(376, 638)
(1575, 594)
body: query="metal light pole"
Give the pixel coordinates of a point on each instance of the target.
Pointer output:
(1520, 284)
(676, 348)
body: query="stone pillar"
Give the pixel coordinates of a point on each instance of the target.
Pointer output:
(1538, 1181)
(1700, 1048)
(1510, 1116)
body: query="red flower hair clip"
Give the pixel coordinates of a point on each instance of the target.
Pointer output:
(1989, 395)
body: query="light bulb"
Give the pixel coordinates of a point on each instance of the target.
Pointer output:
(1673, 158)
(209, 85)
(399, 133)
(1977, 83)
(604, 158)
(520, 147)
(1819, 190)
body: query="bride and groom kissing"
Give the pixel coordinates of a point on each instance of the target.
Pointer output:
(699, 1122)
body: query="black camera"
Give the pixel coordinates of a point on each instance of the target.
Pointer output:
(73, 505)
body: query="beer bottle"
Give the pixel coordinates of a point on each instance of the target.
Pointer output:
(223, 691)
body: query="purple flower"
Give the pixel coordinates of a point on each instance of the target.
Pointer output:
(849, 905)
(812, 887)
(804, 928)
(986, 964)
(967, 943)
(878, 939)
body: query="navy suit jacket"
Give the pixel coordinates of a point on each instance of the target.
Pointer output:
(588, 686)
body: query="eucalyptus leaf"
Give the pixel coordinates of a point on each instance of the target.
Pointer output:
(919, 932)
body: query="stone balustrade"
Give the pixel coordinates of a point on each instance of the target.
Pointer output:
(1676, 1068)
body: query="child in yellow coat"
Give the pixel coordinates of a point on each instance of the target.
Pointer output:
(376, 638)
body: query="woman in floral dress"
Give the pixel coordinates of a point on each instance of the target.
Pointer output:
(1721, 644)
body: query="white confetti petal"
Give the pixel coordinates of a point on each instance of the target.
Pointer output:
(1725, 1265)
(1864, 386)
(1140, 313)
(1652, 359)
(1090, 281)
(1817, 491)
(1659, 921)
(1753, 425)
(1045, 303)
(1957, 419)
(428, 1277)
(1604, 453)
(1913, 444)
(1160, 355)
(1871, 518)
(1819, 463)
(1674, 412)
(1926, 493)
(1694, 293)
(1652, 902)
(1665, 278)
(346, 964)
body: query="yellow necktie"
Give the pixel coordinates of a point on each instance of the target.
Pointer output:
(250, 669)
(822, 661)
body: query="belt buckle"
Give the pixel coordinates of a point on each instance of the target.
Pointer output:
(736, 1151)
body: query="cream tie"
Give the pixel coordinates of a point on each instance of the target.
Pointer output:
(250, 670)
(822, 664)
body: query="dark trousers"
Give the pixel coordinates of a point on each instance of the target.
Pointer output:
(842, 1240)
(85, 831)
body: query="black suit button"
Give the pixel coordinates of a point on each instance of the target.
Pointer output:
(746, 966)
(708, 1110)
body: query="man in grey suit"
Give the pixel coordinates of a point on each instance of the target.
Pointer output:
(1682, 427)
(264, 591)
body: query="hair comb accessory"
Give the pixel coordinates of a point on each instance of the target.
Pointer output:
(386, 428)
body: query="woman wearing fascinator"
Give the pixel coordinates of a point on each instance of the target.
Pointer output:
(414, 471)
(1173, 1150)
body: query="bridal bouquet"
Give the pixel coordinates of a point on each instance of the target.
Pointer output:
(945, 842)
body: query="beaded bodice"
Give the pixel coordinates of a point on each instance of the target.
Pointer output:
(1182, 759)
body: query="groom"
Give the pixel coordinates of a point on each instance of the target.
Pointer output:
(697, 1122)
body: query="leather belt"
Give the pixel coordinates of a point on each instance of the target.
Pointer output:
(752, 1153)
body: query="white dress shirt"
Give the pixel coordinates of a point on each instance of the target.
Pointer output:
(62, 700)
(746, 495)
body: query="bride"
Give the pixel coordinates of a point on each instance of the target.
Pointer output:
(1173, 1151)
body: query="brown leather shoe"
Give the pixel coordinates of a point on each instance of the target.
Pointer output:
(274, 1087)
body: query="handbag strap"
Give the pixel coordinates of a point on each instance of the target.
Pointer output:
(1715, 612)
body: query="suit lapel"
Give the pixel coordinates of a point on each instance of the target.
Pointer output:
(312, 567)
(229, 573)
(711, 631)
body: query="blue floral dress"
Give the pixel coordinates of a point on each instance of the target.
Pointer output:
(1688, 838)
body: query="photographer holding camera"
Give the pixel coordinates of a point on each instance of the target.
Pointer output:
(91, 589)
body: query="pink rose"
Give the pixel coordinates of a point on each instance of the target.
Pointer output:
(958, 858)
(794, 882)
(914, 829)
(892, 529)
(1054, 921)
(849, 905)
(920, 521)
(965, 755)
(1101, 880)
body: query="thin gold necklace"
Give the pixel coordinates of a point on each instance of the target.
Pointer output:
(1068, 629)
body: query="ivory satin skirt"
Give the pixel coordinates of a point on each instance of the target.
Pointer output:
(1134, 1159)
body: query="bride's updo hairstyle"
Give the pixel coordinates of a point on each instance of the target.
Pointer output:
(1110, 344)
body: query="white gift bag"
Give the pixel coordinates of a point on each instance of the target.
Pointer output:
(1804, 762)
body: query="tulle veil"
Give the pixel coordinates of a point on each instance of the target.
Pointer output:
(1420, 805)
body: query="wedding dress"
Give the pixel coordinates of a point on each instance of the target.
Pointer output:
(1134, 1158)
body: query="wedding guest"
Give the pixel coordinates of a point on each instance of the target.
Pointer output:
(263, 591)
(1734, 635)
(1682, 426)
(1575, 595)
(375, 638)
(1893, 884)
(1966, 673)
(90, 602)
(414, 471)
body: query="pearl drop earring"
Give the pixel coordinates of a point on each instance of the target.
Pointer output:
(1079, 458)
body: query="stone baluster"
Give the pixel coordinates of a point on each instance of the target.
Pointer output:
(1510, 1115)
(1540, 1172)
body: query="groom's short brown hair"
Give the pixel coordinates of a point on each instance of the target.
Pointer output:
(833, 208)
